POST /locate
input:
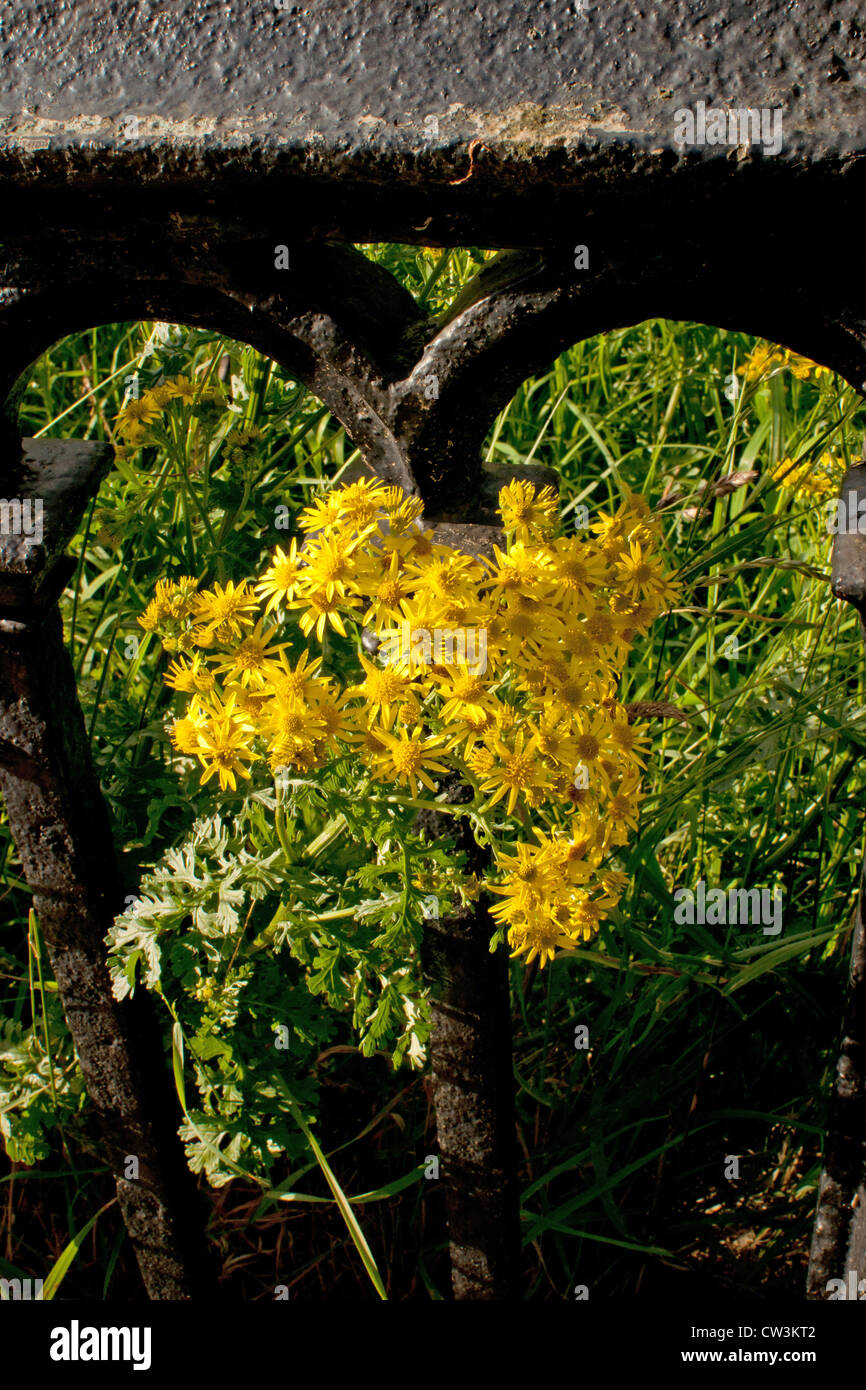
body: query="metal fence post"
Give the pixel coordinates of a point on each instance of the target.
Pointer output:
(60, 825)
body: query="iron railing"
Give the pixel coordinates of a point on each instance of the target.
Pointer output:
(212, 165)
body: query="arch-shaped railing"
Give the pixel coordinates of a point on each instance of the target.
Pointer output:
(226, 196)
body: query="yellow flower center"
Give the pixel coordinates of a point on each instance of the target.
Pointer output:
(571, 694)
(588, 747)
(383, 687)
(250, 654)
(407, 758)
(518, 770)
(600, 628)
(390, 592)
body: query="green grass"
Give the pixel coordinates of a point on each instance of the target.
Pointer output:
(704, 1041)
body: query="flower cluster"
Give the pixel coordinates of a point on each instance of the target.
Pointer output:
(139, 412)
(811, 480)
(502, 669)
(764, 358)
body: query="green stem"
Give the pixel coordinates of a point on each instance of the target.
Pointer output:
(342, 1201)
(280, 826)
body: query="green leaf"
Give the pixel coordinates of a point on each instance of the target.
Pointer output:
(342, 1201)
(60, 1268)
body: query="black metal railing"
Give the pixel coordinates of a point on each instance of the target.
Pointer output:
(145, 190)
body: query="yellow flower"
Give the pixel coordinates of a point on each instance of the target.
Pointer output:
(551, 737)
(530, 624)
(249, 702)
(386, 588)
(294, 682)
(574, 692)
(223, 745)
(811, 480)
(150, 618)
(224, 611)
(135, 414)
(468, 731)
(480, 761)
(764, 358)
(183, 390)
(321, 514)
(760, 360)
(557, 614)
(178, 594)
(803, 368)
(515, 770)
(639, 573)
(528, 882)
(538, 936)
(253, 659)
(577, 570)
(629, 741)
(293, 728)
(408, 757)
(622, 808)
(383, 689)
(362, 502)
(329, 568)
(187, 676)
(319, 612)
(591, 737)
(281, 579)
(162, 394)
(404, 513)
(519, 570)
(355, 506)
(336, 716)
(585, 917)
(445, 576)
(465, 694)
(184, 735)
(526, 512)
